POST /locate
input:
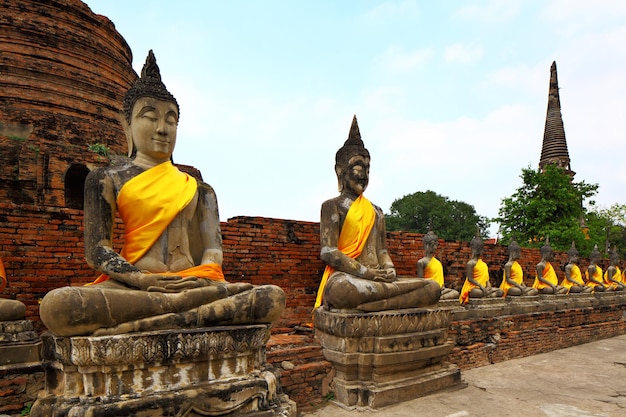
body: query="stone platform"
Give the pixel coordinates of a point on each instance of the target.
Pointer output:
(387, 357)
(194, 372)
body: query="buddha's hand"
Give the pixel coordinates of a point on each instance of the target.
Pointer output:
(165, 283)
(381, 275)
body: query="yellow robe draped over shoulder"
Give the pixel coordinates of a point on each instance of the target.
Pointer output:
(356, 229)
(517, 275)
(597, 275)
(434, 271)
(617, 276)
(575, 275)
(549, 274)
(165, 191)
(481, 275)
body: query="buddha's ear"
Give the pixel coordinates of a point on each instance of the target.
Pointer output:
(338, 172)
(129, 136)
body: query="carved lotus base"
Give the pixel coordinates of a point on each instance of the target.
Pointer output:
(387, 357)
(197, 372)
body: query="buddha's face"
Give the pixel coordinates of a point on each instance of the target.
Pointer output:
(573, 258)
(430, 246)
(356, 175)
(153, 128)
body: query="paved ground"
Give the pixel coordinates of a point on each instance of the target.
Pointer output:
(582, 381)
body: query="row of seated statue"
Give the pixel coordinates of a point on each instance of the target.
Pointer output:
(477, 283)
(169, 272)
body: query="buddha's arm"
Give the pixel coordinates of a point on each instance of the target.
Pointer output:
(568, 274)
(592, 271)
(209, 222)
(469, 273)
(540, 267)
(507, 275)
(384, 260)
(99, 220)
(421, 264)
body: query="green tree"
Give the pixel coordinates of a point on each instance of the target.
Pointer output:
(450, 219)
(548, 204)
(607, 228)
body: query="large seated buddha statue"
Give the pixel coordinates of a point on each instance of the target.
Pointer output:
(359, 273)
(169, 272)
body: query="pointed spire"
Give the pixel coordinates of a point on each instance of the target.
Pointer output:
(354, 137)
(554, 148)
(352, 146)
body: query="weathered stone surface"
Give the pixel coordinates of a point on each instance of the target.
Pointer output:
(210, 371)
(385, 357)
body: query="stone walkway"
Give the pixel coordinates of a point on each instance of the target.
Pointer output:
(582, 381)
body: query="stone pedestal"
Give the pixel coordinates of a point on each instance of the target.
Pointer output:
(387, 357)
(193, 372)
(21, 375)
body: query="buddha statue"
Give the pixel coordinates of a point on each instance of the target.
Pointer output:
(169, 272)
(359, 273)
(613, 275)
(546, 280)
(429, 267)
(513, 281)
(593, 274)
(9, 309)
(573, 279)
(477, 283)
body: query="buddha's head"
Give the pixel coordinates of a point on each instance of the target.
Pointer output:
(149, 100)
(352, 163)
(572, 253)
(430, 241)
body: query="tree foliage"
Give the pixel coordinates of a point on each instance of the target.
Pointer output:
(450, 219)
(548, 204)
(607, 228)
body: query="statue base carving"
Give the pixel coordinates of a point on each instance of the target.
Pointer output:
(386, 357)
(191, 372)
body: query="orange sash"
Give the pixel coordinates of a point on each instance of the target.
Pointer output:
(481, 275)
(354, 233)
(434, 271)
(165, 191)
(549, 275)
(3, 276)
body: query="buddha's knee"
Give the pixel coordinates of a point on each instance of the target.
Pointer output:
(66, 312)
(342, 292)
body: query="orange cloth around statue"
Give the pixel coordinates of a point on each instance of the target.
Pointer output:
(596, 275)
(354, 233)
(434, 271)
(165, 191)
(576, 276)
(517, 275)
(3, 276)
(481, 275)
(549, 274)
(617, 276)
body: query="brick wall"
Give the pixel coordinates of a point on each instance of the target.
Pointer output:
(42, 249)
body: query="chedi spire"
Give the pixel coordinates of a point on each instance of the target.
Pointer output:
(554, 148)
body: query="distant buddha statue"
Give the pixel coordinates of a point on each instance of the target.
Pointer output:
(169, 273)
(613, 275)
(573, 280)
(477, 283)
(9, 309)
(430, 267)
(513, 281)
(359, 273)
(546, 280)
(593, 274)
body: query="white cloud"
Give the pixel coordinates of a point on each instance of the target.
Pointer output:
(392, 10)
(396, 58)
(491, 11)
(463, 53)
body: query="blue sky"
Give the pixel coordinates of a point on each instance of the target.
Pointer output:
(450, 96)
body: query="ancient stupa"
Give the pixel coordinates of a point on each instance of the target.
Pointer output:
(554, 148)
